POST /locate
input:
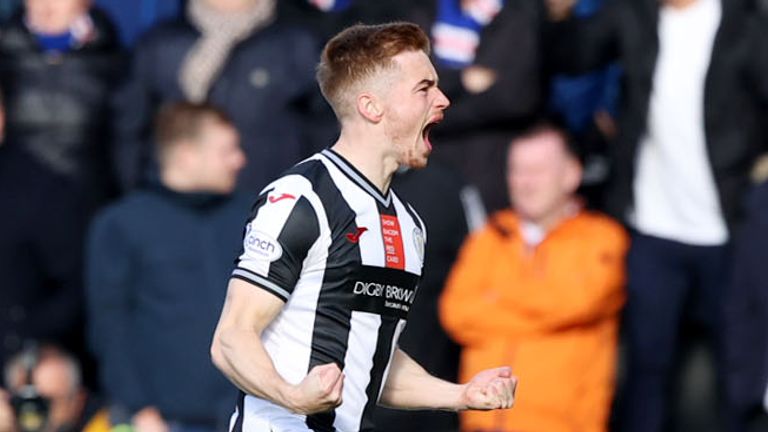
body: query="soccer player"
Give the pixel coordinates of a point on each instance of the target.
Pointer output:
(332, 258)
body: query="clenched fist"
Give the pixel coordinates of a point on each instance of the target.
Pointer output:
(319, 391)
(490, 389)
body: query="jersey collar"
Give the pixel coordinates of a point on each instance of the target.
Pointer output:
(357, 177)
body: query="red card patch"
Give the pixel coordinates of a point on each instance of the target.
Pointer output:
(393, 242)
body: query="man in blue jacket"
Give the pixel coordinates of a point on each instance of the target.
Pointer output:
(156, 260)
(238, 57)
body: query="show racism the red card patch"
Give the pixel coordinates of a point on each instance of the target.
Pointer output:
(393, 242)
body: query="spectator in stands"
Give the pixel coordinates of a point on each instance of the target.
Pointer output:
(156, 262)
(540, 288)
(325, 18)
(42, 227)
(588, 104)
(45, 393)
(690, 127)
(134, 17)
(487, 55)
(232, 54)
(59, 63)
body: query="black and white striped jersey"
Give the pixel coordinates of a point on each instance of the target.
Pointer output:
(346, 259)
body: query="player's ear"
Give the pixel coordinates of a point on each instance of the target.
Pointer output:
(369, 106)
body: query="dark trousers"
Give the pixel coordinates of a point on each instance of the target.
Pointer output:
(668, 281)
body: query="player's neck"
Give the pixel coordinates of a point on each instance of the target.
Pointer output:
(368, 156)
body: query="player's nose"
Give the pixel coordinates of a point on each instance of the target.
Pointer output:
(442, 102)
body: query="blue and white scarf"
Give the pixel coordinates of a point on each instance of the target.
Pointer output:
(81, 31)
(456, 31)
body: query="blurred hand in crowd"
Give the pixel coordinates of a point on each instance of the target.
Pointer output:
(606, 124)
(7, 420)
(559, 10)
(477, 79)
(759, 172)
(149, 419)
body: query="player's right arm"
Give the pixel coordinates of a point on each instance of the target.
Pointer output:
(238, 352)
(277, 241)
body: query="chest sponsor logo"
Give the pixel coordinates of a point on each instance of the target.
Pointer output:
(260, 245)
(394, 297)
(379, 290)
(393, 242)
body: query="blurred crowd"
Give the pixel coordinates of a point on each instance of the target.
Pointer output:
(596, 200)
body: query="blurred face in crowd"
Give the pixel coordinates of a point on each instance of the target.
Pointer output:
(214, 158)
(541, 176)
(232, 5)
(54, 380)
(678, 4)
(54, 16)
(412, 105)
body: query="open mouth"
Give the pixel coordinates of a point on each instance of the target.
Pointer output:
(428, 128)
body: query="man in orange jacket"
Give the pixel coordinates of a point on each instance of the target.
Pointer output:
(540, 288)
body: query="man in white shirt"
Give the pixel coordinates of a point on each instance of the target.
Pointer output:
(696, 74)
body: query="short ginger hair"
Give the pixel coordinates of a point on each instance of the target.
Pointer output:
(359, 52)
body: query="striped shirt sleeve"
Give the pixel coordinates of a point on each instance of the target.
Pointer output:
(280, 232)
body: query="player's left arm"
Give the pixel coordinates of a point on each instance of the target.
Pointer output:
(409, 386)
